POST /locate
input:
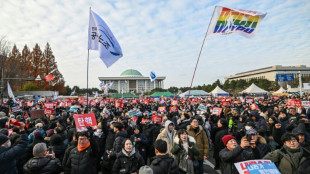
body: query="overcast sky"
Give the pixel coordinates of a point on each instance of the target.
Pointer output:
(160, 35)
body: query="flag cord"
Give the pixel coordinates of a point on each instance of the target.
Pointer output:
(189, 92)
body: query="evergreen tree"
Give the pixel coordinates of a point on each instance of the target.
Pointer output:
(35, 59)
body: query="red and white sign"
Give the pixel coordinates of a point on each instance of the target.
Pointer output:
(162, 109)
(49, 77)
(119, 104)
(174, 102)
(157, 119)
(48, 111)
(84, 120)
(241, 166)
(173, 108)
(226, 102)
(294, 103)
(146, 101)
(250, 100)
(253, 106)
(217, 111)
(134, 119)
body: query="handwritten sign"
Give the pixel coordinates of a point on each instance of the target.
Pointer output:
(84, 120)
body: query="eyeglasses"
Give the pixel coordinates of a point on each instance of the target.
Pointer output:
(292, 141)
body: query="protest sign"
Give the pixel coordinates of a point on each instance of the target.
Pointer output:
(15, 109)
(174, 102)
(263, 168)
(37, 114)
(249, 100)
(241, 166)
(202, 107)
(157, 119)
(119, 104)
(306, 104)
(48, 111)
(217, 111)
(132, 113)
(296, 103)
(84, 120)
(253, 106)
(162, 109)
(226, 102)
(173, 108)
(134, 119)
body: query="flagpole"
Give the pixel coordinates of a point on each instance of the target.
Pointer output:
(189, 91)
(87, 72)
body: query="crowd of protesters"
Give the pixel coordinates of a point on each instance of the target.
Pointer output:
(138, 144)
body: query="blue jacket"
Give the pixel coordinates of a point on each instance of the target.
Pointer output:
(8, 156)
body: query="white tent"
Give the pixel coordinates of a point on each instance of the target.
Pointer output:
(253, 89)
(281, 92)
(194, 93)
(219, 92)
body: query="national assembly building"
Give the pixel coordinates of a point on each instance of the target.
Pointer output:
(271, 72)
(133, 81)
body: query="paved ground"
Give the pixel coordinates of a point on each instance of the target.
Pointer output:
(209, 164)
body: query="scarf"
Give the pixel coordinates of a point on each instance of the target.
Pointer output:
(80, 148)
(294, 154)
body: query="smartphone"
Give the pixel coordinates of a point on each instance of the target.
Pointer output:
(249, 137)
(50, 151)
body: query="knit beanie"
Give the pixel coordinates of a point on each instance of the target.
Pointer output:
(50, 132)
(37, 134)
(3, 139)
(226, 138)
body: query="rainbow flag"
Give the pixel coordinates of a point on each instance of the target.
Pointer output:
(226, 21)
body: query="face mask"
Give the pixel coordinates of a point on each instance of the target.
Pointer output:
(9, 144)
(247, 127)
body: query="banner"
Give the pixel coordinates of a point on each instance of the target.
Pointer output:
(119, 104)
(101, 37)
(241, 166)
(226, 102)
(306, 85)
(84, 120)
(202, 107)
(48, 111)
(296, 103)
(132, 113)
(226, 21)
(173, 108)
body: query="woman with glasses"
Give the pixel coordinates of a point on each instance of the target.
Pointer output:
(291, 158)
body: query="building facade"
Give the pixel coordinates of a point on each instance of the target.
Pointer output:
(133, 81)
(270, 73)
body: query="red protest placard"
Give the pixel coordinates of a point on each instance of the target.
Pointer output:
(249, 100)
(173, 108)
(48, 111)
(226, 102)
(157, 119)
(174, 102)
(84, 120)
(296, 103)
(119, 104)
(146, 101)
(48, 105)
(162, 109)
(217, 111)
(134, 119)
(253, 106)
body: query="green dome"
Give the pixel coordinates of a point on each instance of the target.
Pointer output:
(130, 73)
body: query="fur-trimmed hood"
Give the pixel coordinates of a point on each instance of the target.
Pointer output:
(191, 139)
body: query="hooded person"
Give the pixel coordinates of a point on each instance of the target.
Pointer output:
(168, 134)
(259, 121)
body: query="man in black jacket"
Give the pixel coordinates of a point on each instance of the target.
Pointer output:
(8, 156)
(42, 162)
(162, 163)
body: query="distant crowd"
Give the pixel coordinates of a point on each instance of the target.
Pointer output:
(154, 135)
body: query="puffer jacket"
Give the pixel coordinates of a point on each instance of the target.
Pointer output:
(42, 165)
(218, 143)
(8, 156)
(261, 146)
(127, 163)
(81, 162)
(284, 162)
(202, 142)
(118, 142)
(164, 135)
(162, 163)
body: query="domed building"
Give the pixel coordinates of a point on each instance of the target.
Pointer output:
(132, 80)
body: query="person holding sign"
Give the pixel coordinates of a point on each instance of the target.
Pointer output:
(233, 153)
(291, 158)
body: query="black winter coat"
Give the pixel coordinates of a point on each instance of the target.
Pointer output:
(218, 143)
(127, 163)
(228, 158)
(161, 163)
(72, 145)
(109, 140)
(42, 165)
(118, 143)
(8, 156)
